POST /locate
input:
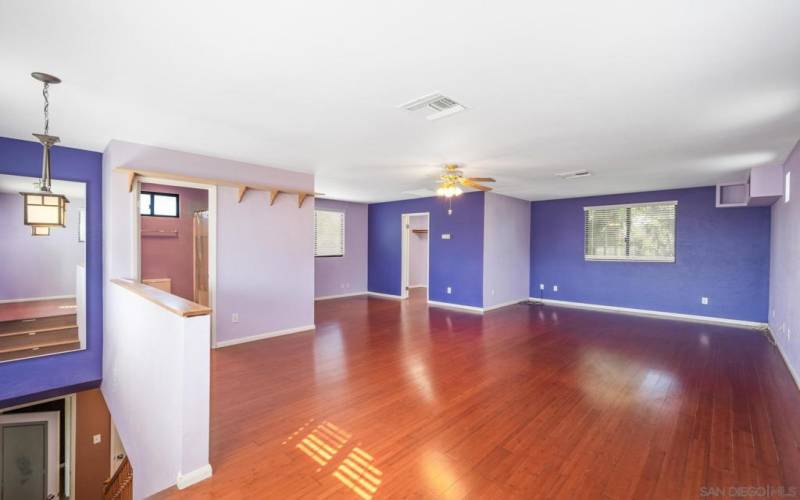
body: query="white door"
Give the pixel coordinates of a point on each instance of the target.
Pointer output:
(29, 456)
(117, 451)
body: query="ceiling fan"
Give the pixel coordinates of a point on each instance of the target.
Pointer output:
(452, 179)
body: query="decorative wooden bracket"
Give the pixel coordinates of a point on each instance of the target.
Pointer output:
(131, 180)
(272, 196)
(242, 191)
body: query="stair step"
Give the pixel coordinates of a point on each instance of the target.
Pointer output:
(38, 350)
(35, 337)
(25, 325)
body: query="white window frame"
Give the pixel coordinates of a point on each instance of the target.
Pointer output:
(344, 233)
(617, 258)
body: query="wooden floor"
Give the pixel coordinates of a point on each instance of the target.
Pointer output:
(393, 399)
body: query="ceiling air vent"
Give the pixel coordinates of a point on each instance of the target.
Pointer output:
(574, 175)
(434, 106)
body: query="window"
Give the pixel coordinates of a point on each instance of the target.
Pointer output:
(637, 232)
(159, 204)
(328, 233)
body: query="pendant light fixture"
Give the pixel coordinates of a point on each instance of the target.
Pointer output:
(43, 208)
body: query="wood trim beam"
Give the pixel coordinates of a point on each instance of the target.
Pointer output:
(243, 188)
(301, 197)
(172, 303)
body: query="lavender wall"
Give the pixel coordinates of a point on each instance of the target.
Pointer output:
(265, 264)
(418, 252)
(49, 376)
(37, 267)
(506, 250)
(172, 256)
(348, 274)
(457, 262)
(721, 253)
(784, 290)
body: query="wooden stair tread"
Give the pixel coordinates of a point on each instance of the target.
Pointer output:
(32, 347)
(38, 330)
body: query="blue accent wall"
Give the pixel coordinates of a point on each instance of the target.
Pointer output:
(457, 263)
(721, 253)
(50, 376)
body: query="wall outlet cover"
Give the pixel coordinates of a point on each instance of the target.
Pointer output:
(704, 301)
(445, 236)
(449, 290)
(555, 288)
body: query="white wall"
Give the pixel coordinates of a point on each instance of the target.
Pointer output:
(156, 383)
(506, 249)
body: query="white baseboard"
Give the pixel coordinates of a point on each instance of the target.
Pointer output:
(648, 312)
(786, 362)
(504, 304)
(417, 286)
(384, 295)
(341, 296)
(456, 306)
(34, 299)
(194, 477)
(262, 336)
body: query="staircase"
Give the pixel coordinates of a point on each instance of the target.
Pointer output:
(120, 485)
(33, 329)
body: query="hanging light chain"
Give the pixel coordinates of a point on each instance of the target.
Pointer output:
(46, 94)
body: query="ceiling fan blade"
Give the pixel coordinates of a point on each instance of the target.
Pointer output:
(481, 179)
(470, 183)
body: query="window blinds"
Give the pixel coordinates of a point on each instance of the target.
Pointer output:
(640, 232)
(328, 233)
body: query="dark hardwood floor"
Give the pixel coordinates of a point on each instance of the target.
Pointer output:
(393, 399)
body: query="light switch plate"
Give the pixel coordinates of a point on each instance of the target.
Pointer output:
(96, 439)
(445, 236)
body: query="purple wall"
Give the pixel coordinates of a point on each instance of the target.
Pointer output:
(721, 253)
(172, 257)
(506, 250)
(265, 263)
(348, 274)
(457, 262)
(784, 291)
(50, 376)
(37, 267)
(418, 252)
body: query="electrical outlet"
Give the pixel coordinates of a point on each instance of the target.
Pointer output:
(96, 439)
(704, 301)
(555, 288)
(446, 236)
(541, 286)
(449, 290)
(235, 318)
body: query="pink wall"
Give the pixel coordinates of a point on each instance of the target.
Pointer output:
(348, 274)
(418, 252)
(265, 264)
(506, 249)
(784, 269)
(172, 256)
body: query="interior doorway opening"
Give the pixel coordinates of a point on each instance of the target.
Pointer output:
(415, 253)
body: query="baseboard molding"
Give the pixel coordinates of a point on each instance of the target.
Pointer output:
(504, 304)
(661, 314)
(341, 296)
(385, 295)
(792, 371)
(460, 307)
(194, 477)
(417, 286)
(262, 336)
(34, 299)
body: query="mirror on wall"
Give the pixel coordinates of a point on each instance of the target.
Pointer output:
(42, 273)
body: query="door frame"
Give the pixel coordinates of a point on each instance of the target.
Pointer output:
(405, 254)
(52, 420)
(136, 240)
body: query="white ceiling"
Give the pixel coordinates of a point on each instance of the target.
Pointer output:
(646, 95)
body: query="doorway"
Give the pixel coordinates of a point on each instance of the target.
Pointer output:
(415, 273)
(30, 455)
(176, 238)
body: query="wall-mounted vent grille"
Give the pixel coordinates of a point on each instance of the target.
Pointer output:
(574, 175)
(434, 105)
